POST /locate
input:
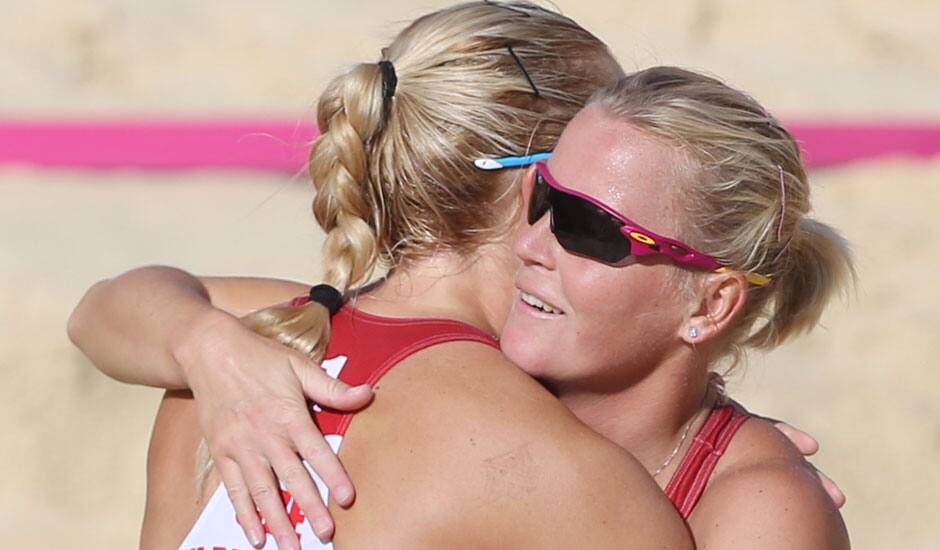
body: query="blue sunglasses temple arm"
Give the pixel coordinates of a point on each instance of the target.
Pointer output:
(510, 162)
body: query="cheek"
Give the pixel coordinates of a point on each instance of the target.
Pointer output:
(593, 297)
(597, 293)
(623, 315)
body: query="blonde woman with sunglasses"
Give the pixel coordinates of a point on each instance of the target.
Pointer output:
(458, 447)
(627, 326)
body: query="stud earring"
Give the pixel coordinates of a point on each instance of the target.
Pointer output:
(693, 332)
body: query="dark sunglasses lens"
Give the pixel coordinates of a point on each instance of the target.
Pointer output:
(584, 229)
(538, 199)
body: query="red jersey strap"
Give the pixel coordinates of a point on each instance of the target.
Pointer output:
(364, 347)
(688, 483)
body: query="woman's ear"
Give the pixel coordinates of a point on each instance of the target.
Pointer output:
(718, 302)
(528, 180)
(520, 182)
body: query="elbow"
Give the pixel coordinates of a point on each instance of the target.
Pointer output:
(77, 324)
(93, 307)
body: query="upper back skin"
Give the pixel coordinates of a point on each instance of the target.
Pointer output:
(461, 449)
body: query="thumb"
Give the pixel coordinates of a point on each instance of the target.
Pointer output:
(323, 389)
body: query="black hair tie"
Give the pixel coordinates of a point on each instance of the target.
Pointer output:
(327, 296)
(389, 79)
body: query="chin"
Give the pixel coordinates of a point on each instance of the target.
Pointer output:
(525, 353)
(542, 369)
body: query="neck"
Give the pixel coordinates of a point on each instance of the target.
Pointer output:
(650, 416)
(450, 286)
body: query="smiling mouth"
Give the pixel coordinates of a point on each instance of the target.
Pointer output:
(539, 304)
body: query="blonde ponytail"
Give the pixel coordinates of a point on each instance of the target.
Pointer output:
(819, 266)
(350, 114)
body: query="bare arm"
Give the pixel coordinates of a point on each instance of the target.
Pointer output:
(173, 498)
(140, 327)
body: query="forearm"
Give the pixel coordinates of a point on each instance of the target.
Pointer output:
(133, 327)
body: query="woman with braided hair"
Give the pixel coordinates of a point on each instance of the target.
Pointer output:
(459, 447)
(397, 191)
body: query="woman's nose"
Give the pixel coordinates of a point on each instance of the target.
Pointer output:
(533, 244)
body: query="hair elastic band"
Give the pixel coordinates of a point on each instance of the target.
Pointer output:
(389, 79)
(327, 296)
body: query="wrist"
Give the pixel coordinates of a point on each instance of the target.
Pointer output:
(198, 343)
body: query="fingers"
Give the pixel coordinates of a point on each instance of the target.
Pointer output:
(266, 495)
(307, 502)
(245, 510)
(257, 423)
(835, 493)
(806, 443)
(316, 451)
(327, 391)
(808, 446)
(310, 443)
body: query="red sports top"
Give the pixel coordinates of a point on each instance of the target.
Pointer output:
(362, 348)
(374, 344)
(688, 483)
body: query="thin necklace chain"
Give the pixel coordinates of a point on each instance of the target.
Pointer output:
(688, 427)
(672, 455)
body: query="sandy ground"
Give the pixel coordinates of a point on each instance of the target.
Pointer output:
(73, 446)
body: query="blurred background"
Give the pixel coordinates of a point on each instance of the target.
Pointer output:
(72, 454)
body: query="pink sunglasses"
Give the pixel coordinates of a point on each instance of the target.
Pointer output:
(585, 226)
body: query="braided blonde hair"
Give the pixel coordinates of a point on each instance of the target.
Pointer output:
(394, 175)
(747, 202)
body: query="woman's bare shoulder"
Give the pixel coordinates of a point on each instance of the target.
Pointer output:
(489, 458)
(764, 493)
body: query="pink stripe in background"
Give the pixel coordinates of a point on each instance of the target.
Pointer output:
(830, 144)
(281, 145)
(157, 144)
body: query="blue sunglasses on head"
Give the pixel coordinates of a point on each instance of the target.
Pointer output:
(510, 162)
